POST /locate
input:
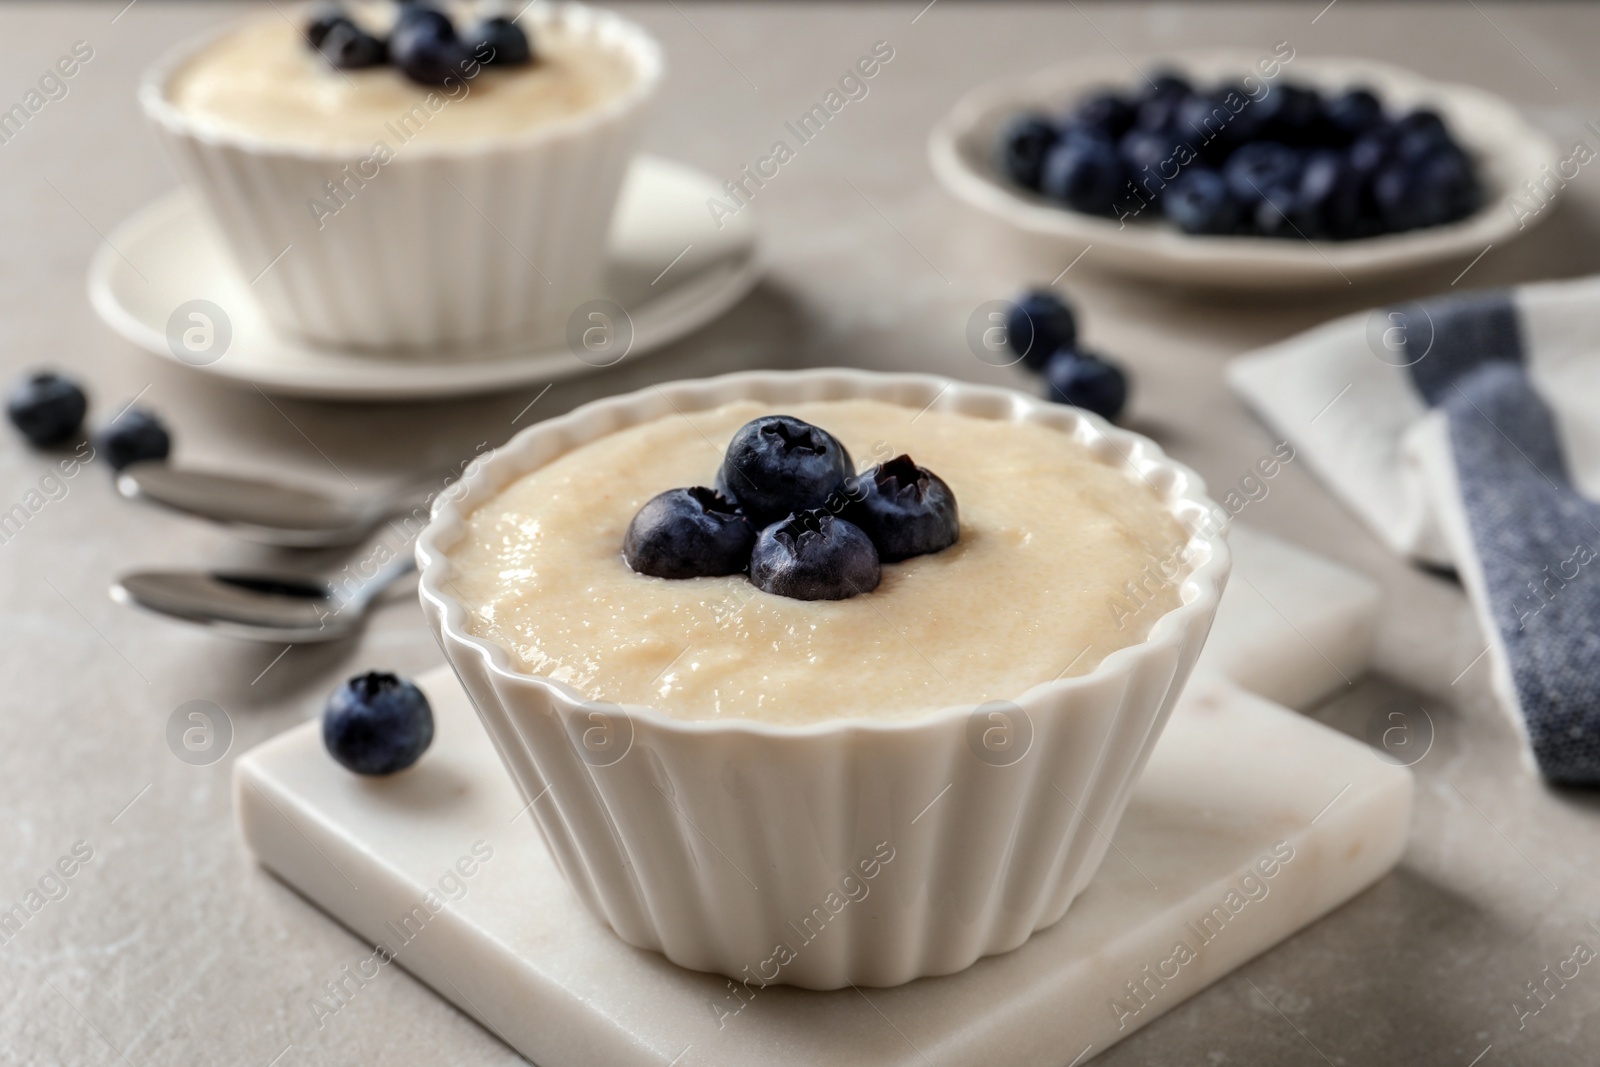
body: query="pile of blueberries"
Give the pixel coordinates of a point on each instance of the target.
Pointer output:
(1289, 163)
(48, 408)
(1043, 333)
(424, 44)
(787, 510)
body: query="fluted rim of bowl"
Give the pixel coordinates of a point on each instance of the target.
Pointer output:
(1201, 588)
(1516, 145)
(629, 38)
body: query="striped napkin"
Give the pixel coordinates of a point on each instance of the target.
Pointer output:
(1465, 431)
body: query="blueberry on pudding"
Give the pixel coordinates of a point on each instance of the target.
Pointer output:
(499, 42)
(905, 509)
(814, 555)
(346, 45)
(689, 533)
(778, 464)
(425, 47)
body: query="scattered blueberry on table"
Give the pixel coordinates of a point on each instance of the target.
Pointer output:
(787, 511)
(377, 723)
(1291, 162)
(1086, 381)
(1043, 332)
(46, 407)
(1038, 326)
(133, 437)
(423, 44)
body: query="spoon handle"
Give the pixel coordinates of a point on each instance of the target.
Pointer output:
(386, 576)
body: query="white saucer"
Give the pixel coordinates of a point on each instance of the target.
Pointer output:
(167, 255)
(1507, 148)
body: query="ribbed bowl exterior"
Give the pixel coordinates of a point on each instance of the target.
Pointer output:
(442, 245)
(855, 851)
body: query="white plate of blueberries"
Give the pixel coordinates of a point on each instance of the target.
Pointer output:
(1246, 171)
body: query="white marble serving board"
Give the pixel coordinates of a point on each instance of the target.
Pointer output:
(1234, 779)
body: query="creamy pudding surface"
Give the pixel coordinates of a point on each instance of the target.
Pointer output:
(264, 82)
(1034, 589)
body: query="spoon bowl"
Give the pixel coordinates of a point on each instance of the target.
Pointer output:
(257, 606)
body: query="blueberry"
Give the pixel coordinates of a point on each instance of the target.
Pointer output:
(1108, 112)
(423, 18)
(132, 437)
(322, 20)
(1150, 158)
(1165, 83)
(1160, 111)
(1024, 143)
(1327, 201)
(1038, 324)
(814, 555)
(1204, 121)
(1199, 202)
(1451, 185)
(1354, 112)
(1373, 148)
(348, 47)
(1405, 198)
(1086, 381)
(425, 47)
(689, 533)
(1297, 115)
(778, 464)
(498, 42)
(377, 723)
(1084, 173)
(905, 509)
(1424, 120)
(1249, 114)
(1427, 192)
(1261, 169)
(46, 407)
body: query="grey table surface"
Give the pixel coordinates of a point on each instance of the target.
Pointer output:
(171, 946)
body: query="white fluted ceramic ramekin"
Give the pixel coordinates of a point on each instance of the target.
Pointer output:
(851, 850)
(443, 245)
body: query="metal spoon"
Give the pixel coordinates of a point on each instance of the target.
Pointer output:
(270, 512)
(258, 606)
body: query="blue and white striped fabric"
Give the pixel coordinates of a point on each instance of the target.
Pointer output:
(1465, 430)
